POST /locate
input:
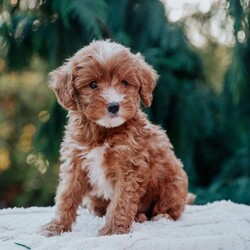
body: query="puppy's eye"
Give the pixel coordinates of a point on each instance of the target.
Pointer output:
(93, 85)
(124, 83)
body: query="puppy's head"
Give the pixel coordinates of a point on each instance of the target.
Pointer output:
(104, 81)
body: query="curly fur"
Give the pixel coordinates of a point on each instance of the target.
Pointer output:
(124, 165)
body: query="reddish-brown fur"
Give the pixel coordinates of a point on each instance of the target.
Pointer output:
(142, 178)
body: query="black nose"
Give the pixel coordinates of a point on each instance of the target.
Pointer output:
(113, 107)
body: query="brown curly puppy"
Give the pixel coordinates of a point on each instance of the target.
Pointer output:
(111, 154)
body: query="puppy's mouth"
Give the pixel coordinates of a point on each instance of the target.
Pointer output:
(111, 116)
(111, 121)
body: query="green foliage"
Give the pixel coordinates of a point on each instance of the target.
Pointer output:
(209, 130)
(233, 180)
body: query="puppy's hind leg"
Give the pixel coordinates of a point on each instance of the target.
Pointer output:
(172, 199)
(97, 205)
(141, 217)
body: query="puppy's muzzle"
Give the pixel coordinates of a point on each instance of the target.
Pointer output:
(113, 107)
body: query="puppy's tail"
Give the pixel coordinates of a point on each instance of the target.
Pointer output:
(190, 198)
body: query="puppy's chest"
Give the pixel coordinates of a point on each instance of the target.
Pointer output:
(98, 173)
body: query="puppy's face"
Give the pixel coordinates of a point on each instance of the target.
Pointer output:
(104, 81)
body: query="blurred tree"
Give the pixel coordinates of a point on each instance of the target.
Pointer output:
(233, 180)
(54, 30)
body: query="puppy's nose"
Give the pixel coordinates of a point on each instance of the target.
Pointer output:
(113, 107)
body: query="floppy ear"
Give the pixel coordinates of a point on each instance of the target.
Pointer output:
(147, 77)
(61, 81)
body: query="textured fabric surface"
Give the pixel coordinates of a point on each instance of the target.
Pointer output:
(220, 225)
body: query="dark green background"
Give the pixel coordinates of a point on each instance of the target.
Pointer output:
(209, 129)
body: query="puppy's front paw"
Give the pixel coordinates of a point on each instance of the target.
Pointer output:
(113, 229)
(106, 230)
(54, 228)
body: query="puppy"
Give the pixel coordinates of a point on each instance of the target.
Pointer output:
(111, 154)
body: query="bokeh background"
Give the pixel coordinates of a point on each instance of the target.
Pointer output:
(201, 50)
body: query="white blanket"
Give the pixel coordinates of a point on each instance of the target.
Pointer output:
(220, 225)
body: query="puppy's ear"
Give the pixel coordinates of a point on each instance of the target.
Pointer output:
(61, 81)
(147, 77)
